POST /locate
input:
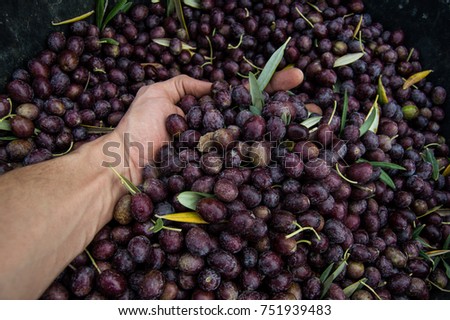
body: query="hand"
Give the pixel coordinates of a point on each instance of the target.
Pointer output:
(142, 131)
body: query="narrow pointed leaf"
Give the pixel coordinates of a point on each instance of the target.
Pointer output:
(271, 66)
(415, 78)
(447, 268)
(197, 4)
(417, 231)
(189, 199)
(383, 165)
(348, 59)
(165, 42)
(430, 211)
(358, 27)
(344, 112)
(75, 19)
(4, 125)
(446, 171)
(350, 290)
(8, 138)
(127, 183)
(429, 157)
(384, 177)
(326, 273)
(109, 41)
(372, 120)
(286, 118)
(437, 253)
(382, 91)
(100, 11)
(180, 15)
(256, 94)
(170, 7)
(311, 122)
(327, 283)
(121, 6)
(186, 217)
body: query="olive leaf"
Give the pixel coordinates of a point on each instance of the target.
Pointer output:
(189, 199)
(446, 243)
(180, 15)
(326, 272)
(186, 217)
(344, 112)
(311, 122)
(271, 66)
(429, 157)
(384, 177)
(430, 211)
(415, 78)
(436, 253)
(350, 290)
(127, 183)
(348, 59)
(8, 138)
(329, 280)
(382, 91)
(165, 42)
(256, 94)
(447, 268)
(286, 118)
(196, 4)
(75, 19)
(417, 231)
(121, 6)
(358, 27)
(5, 125)
(97, 130)
(383, 165)
(109, 41)
(100, 11)
(158, 226)
(372, 120)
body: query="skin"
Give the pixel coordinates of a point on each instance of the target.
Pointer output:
(39, 238)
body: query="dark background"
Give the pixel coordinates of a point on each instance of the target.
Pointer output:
(25, 24)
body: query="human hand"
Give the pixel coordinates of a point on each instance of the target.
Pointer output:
(142, 131)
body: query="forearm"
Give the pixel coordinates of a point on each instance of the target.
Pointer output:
(49, 213)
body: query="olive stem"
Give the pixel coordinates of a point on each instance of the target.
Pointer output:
(75, 19)
(305, 18)
(371, 290)
(93, 261)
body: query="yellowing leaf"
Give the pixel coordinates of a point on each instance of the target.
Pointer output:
(358, 27)
(436, 253)
(79, 18)
(382, 91)
(446, 171)
(415, 78)
(186, 217)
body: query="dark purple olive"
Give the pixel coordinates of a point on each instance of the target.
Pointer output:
(20, 91)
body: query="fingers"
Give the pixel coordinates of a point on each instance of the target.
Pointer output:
(177, 87)
(285, 80)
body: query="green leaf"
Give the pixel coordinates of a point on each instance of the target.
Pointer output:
(127, 183)
(311, 122)
(97, 130)
(350, 290)
(437, 253)
(327, 283)
(429, 157)
(417, 231)
(256, 94)
(4, 125)
(437, 208)
(121, 6)
(446, 244)
(348, 59)
(372, 120)
(286, 118)
(447, 268)
(189, 199)
(100, 12)
(159, 225)
(170, 7)
(344, 112)
(8, 138)
(326, 272)
(165, 42)
(384, 165)
(271, 66)
(180, 15)
(109, 41)
(197, 4)
(384, 177)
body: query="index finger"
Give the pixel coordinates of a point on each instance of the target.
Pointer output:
(176, 88)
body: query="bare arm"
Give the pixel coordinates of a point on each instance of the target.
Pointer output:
(49, 212)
